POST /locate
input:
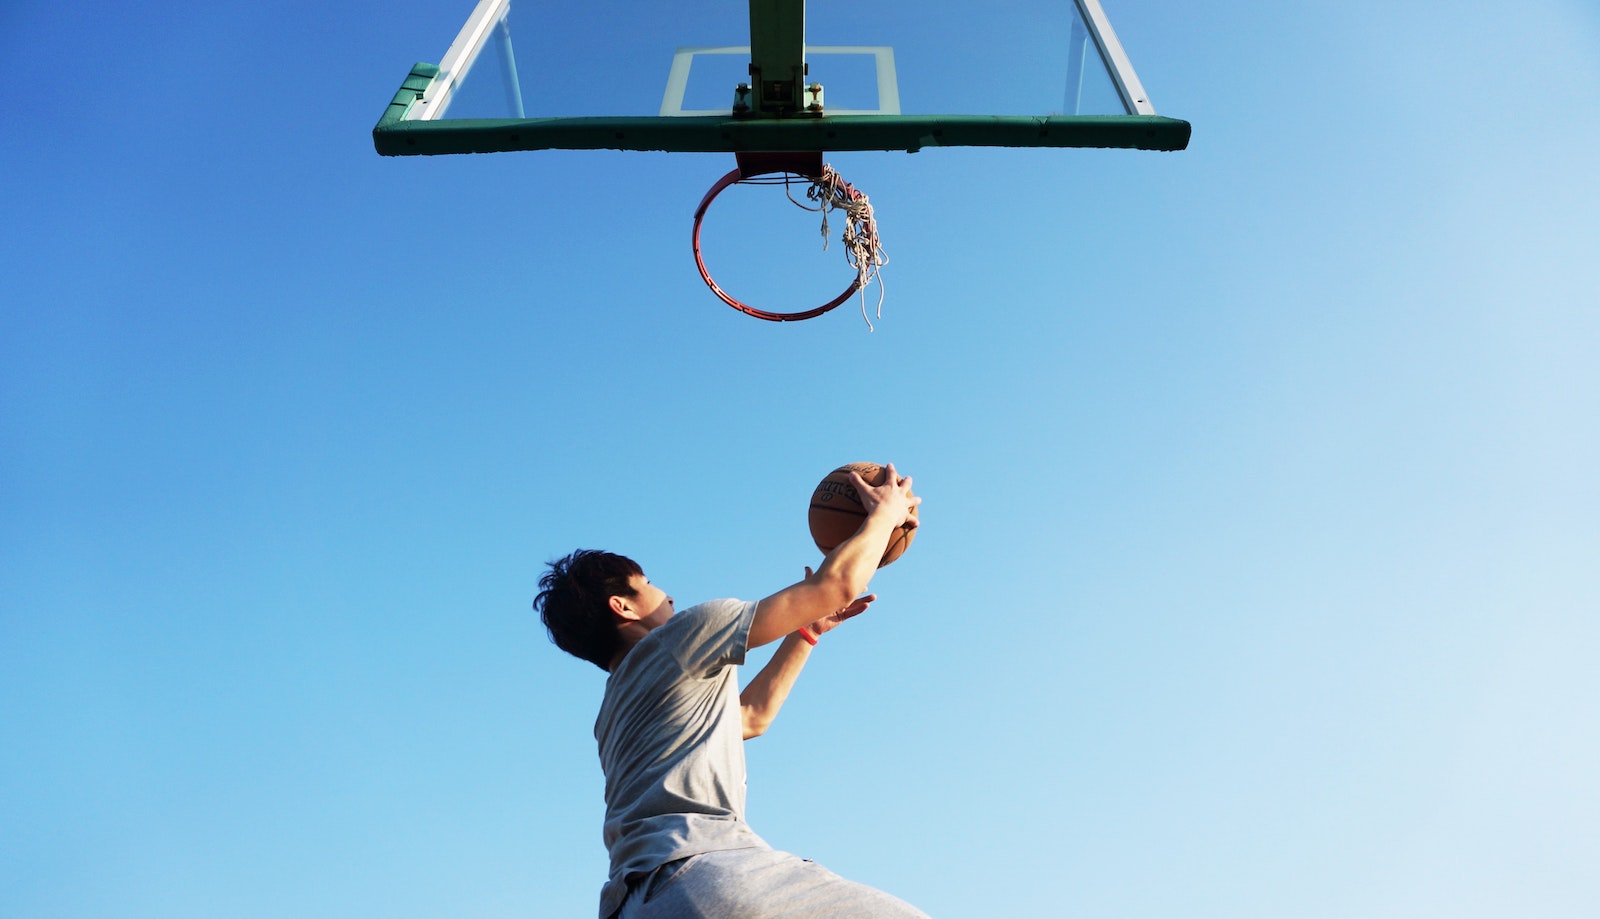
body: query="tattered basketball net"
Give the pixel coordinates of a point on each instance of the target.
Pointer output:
(827, 192)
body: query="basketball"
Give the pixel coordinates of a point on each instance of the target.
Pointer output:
(837, 512)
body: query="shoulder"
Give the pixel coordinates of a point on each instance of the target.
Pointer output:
(707, 634)
(709, 618)
(713, 610)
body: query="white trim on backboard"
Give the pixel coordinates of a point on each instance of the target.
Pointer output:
(683, 59)
(475, 33)
(459, 59)
(1128, 85)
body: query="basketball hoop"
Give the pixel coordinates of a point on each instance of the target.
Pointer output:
(829, 192)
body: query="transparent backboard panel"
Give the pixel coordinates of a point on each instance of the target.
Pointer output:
(541, 59)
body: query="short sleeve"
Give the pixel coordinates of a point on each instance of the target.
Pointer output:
(705, 638)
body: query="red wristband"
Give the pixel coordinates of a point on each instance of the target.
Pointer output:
(806, 634)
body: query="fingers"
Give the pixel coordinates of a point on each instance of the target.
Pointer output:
(892, 479)
(892, 475)
(900, 483)
(893, 482)
(857, 608)
(832, 620)
(860, 485)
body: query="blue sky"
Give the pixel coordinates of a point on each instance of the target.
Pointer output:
(1258, 572)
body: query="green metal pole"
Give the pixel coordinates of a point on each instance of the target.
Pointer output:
(777, 55)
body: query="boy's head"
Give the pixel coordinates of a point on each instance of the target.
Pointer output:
(575, 603)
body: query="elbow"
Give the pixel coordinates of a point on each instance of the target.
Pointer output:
(754, 724)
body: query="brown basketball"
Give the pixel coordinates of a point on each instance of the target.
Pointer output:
(836, 511)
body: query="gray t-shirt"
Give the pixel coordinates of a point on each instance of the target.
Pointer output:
(672, 745)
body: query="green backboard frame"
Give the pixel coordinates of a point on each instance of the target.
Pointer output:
(773, 112)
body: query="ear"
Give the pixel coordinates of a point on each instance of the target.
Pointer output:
(622, 608)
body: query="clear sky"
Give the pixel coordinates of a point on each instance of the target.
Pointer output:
(1261, 556)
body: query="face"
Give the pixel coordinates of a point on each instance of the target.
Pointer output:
(649, 605)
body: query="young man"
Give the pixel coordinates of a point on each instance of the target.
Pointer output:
(673, 723)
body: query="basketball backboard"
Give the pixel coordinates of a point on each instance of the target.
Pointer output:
(776, 75)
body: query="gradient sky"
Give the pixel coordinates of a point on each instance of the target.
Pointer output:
(1261, 554)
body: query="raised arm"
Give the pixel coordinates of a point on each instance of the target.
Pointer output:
(761, 700)
(848, 569)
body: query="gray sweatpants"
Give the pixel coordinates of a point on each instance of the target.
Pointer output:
(757, 884)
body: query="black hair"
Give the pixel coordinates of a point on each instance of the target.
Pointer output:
(575, 603)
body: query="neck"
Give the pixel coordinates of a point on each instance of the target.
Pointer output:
(630, 632)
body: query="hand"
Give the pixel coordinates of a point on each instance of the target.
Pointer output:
(832, 621)
(892, 497)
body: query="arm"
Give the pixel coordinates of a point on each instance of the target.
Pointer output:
(761, 700)
(847, 570)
